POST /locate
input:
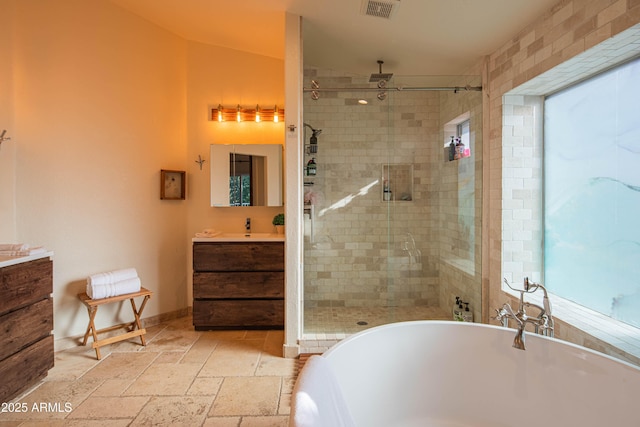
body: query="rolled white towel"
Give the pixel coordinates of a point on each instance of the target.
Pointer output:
(122, 287)
(111, 277)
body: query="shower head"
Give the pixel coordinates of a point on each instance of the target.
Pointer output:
(380, 76)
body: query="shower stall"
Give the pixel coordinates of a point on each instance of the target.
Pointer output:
(392, 199)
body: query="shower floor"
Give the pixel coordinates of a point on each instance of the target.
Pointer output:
(349, 320)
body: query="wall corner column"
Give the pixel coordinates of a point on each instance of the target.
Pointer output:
(293, 73)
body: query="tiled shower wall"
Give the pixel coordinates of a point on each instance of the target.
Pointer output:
(361, 252)
(460, 207)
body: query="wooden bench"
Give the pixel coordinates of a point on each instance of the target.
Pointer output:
(134, 328)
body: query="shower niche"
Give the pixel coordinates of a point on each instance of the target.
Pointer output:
(397, 182)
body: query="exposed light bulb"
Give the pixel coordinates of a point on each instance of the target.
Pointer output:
(238, 118)
(220, 112)
(257, 114)
(275, 114)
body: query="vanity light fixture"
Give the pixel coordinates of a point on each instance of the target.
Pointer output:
(241, 114)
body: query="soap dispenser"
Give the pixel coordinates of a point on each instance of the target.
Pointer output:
(467, 315)
(452, 149)
(386, 191)
(457, 310)
(311, 167)
(460, 148)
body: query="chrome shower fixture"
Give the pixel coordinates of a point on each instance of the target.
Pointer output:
(380, 76)
(382, 79)
(315, 95)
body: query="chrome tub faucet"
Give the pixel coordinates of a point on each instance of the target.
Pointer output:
(542, 323)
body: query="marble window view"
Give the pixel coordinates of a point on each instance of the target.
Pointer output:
(592, 193)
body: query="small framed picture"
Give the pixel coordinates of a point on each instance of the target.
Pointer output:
(172, 185)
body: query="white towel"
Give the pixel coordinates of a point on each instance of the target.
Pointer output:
(13, 247)
(122, 287)
(208, 232)
(111, 277)
(317, 398)
(23, 252)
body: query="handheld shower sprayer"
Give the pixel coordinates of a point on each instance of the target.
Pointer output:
(316, 132)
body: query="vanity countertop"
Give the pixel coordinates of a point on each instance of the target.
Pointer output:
(242, 237)
(6, 261)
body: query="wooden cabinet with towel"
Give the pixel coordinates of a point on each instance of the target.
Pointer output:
(238, 285)
(26, 322)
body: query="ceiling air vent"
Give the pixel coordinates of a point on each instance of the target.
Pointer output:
(380, 8)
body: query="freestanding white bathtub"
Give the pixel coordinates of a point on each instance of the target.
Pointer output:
(433, 373)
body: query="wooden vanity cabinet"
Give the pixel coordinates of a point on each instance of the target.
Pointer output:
(238, 285)
(26, 322)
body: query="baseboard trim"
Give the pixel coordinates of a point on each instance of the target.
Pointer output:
(290, 351)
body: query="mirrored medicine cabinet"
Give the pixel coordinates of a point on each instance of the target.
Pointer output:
(246, 175)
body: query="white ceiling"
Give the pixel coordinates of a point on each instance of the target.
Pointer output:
(424, 37)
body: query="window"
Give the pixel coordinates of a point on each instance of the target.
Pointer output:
(523, 171)
(592, 193)
(241, 168)
(462, 131)
(459, 144)
(457, 133)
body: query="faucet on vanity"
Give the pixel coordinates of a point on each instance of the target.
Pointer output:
(247, 226)
(543, 323)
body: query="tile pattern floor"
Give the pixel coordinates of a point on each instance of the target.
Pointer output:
(182, 377)
(349, 320)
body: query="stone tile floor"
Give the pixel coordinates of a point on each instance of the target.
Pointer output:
(182, 377)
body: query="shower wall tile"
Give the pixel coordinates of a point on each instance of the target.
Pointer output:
(357, 258)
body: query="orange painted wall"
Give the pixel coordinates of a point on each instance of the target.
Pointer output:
(97, 101)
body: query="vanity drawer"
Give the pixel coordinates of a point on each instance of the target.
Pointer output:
(23, 369)
(25, 283)
(250, 314)
(238, 256)
(239, 285)
(20, 328)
